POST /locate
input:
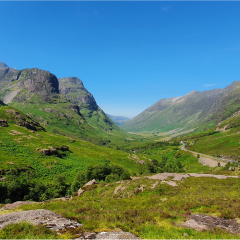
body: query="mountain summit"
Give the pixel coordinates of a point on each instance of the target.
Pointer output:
(3, 66)
(73, 89)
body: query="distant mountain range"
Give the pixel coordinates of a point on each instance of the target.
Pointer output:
(60, 105)
(196, 111)
(118, 119)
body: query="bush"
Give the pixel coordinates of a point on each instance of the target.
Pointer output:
(106, 172)
(177, 155)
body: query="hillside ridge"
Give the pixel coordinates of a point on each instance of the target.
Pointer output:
(196, 110)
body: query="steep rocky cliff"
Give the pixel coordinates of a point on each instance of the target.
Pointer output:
(73, 89)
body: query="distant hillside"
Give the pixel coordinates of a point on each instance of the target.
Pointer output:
(118, 119)
(194, 111)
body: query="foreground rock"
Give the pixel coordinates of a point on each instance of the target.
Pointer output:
(107, 235)
(44, 217)
(116, 235)
(201, 222)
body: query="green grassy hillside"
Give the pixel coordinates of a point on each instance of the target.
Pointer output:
(222, 141)
(196, 111)
(29, 155)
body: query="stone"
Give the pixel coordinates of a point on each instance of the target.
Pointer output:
(90, 183)
(46, 151)
(3, 123)
(80, 192)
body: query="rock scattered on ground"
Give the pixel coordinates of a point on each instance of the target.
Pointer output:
(80, 192)
(107, 235)
(120, 187)
(201, 222)
(90, 183)
(44, 217)
(10, 206)
(116, 235)
(179, 177)
(3, 123)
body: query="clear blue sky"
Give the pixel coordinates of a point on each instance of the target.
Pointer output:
(129, 55)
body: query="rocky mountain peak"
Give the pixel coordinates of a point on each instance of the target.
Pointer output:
(73, 89)
(3, 65)
(39, 81)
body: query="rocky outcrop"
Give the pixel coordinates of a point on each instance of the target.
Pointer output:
(8, 74)
(23, 120)
(44, 217)
(73, 89)
(54, 151)
(90, 183)
(36, 80)
(3, 123)
(27, 82)
(82, 189)
(201, 222)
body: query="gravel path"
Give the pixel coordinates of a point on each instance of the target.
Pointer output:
(209, 160)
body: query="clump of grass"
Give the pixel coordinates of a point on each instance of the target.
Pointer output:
(26, 230)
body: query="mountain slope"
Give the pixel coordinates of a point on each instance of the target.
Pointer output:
(73, 89)
(200, 110)
(31, 158)
(118, 119)
(36, 92)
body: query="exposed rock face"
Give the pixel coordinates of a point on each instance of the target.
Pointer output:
(3, 123)
(54, 151)
(44, 217)
(3, 65)
(8, 74)
(203, 222)
(18, 118)
(39, 81)
(73, 89)
(27, 82)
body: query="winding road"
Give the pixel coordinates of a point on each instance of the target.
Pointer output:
(209, 160)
